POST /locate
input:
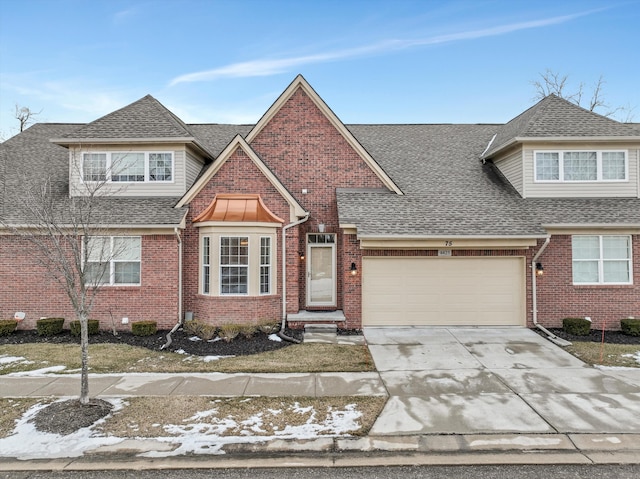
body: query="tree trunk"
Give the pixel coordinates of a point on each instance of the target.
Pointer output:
(84, 347)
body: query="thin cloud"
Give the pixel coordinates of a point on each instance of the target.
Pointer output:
(256, 68)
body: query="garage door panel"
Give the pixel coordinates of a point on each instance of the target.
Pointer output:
(443, 291)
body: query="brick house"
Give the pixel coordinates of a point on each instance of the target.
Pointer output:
(303, 217)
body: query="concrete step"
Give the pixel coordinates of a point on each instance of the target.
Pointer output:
(321, 328)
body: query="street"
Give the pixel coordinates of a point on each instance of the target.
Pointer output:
(422, 472)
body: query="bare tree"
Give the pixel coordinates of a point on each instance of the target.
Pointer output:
(71, 245)
(551, 82)
(25, 116)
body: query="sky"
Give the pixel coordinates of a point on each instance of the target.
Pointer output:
(372, 61)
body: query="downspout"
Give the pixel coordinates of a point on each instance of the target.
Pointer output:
(284, 277)
(534, 297)
(179, 323)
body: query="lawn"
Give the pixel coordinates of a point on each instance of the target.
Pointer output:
(122, 358)
(607, 354)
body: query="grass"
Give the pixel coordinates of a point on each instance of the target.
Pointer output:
(621, 355)
(11, 410)
(120, 358)
(258, 416)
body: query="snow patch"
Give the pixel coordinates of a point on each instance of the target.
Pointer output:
(39, 372)
(10, 359)
(275, 338)
(517, 441)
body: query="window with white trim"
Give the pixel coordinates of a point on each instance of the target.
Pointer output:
(265, 265)
(602, 259)
(206, 265)
(586, 166)
(234, 265)
(129, 167)
(113, 260)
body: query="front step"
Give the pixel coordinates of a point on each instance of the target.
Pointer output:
(317, 317)
(320, 333)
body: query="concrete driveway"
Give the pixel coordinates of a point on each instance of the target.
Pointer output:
(495, 380)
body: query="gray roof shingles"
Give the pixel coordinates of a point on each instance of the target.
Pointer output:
(448, 191)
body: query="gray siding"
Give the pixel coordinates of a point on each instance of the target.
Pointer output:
(628, 189)
(193, 166)
(511, 167)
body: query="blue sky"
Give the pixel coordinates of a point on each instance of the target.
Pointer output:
(372, 61)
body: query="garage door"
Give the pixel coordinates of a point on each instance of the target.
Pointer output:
(443, 291)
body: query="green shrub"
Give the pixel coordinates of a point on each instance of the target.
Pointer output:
(93, 326)
(630, 326)
(49, 326)
(144, 328)
(202, 330)
(229, 332)
(7, 326)
(268, 326)
(576, 326)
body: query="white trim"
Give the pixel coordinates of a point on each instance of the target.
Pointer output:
(601, 261)
(598, 153)
(109, 164)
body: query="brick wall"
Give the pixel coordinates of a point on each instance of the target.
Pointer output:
(26, 286)
(301, 147)
(558, 298)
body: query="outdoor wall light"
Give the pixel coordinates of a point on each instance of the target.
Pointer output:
(301, 256)
(353, 269)
(539, 269)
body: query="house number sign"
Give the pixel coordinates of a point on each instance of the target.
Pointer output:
(444, 252)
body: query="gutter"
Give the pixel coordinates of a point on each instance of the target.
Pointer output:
(534, 297)
(284, 275)
(179, 323)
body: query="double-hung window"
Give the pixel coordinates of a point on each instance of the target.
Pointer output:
(129, 167)
(234, 265)
(265, 265)
(113, 260)
(602, 259)
(586, 166)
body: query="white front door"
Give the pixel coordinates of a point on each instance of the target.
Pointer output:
(321, 269)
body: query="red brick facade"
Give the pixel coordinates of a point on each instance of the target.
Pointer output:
(26, 286)
(559, 298)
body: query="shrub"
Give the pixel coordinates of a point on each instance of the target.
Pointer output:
(229, 332)
(268, 326)
(93, 325)
(248, 330)
(7, 326)
(144, 328)
(202, 330)
(49, 326)
(576, 326)
(630, 326)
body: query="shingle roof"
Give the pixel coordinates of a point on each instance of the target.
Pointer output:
(31, 155)
(145, 118)
(556, 117)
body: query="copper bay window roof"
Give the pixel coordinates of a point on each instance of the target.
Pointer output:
(238, 208)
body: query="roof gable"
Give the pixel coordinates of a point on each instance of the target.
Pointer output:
(239, 142)
(300, 83)
(556, 118)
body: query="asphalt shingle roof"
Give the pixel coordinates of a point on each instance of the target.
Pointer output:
(556, 117)
(145, 118)
(448, 190)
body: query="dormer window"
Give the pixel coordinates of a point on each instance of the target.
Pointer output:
(580, 166)
(127, 167)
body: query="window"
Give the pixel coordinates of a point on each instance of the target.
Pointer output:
(265, 265)
(206, 265)
(113, 260)
(234, 265)
(602, 259)
(94, 167)
(128, 167)
(580, 166)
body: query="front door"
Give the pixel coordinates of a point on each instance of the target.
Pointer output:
(321, 269)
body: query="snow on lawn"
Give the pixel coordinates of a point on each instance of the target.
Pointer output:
(202, 433)
(635, 356)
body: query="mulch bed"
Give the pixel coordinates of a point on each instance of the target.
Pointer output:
(595, 335)
(66, 417)
(182, 342)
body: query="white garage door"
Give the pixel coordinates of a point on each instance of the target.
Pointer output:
(443, 291)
